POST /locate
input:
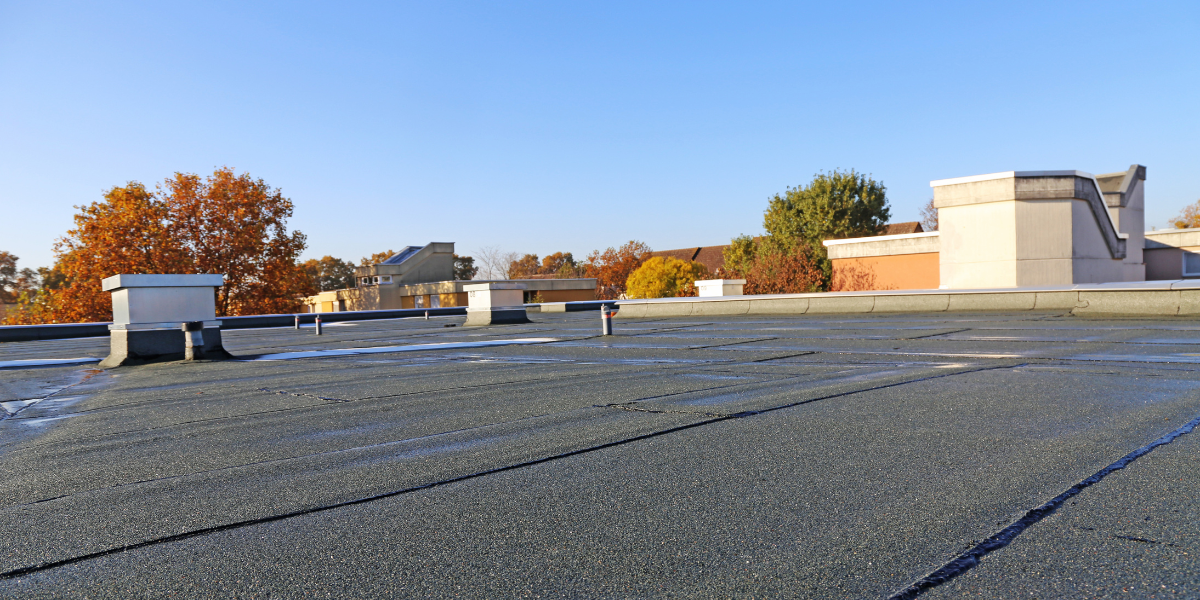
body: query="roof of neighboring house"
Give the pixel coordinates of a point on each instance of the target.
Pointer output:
(709, 256)
(713, 258)
(902, 228)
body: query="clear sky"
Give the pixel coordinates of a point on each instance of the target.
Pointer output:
(540, 127)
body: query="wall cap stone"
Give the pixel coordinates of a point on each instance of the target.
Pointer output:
(117, 282)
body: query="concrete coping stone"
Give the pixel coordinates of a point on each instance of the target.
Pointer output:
(496, 285)
(1008, 175)
(880, 238)
(117, 282)
(1165, 285)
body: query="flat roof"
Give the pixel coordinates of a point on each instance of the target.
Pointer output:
(802, 456)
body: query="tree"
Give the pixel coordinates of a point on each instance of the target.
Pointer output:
(613, 267)
(665, 277)
(559, 264)
(494, 262)
(1188, 218)
(236, 225)
(129, 231)
(376, 259)
(522, 268)
(329, 273)
(929, 216)
(464, 268)
(739, 257)
(229, 224)
(835, 205)
(785, 271)
(14, 281)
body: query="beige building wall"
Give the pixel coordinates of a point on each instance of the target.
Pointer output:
(978, 246)
(1125, 195)
(1036, 228)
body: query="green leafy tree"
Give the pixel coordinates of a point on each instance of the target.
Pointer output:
(833, 206)
(464, 268)
(14, 281)
(665, 277)
(739, 257)
(329, 273)
(841, 204)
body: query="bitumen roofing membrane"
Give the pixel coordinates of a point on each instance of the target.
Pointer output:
(834, 456)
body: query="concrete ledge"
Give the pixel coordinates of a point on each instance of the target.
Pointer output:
(1151, 299)
(728, 307)
(778, 306)
(841, 304)
(1189, 302)
(1055, 300)
(992, 302)
(1128, 303)
(930, 303)
(573, 306)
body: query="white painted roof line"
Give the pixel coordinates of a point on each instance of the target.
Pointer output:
(881, 238)
(1010, 175)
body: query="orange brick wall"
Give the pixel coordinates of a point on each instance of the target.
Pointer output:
(568, 295)
(899, 272)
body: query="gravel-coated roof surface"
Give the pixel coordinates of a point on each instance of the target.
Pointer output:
(835, 456)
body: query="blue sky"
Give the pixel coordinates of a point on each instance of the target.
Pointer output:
(540, 127)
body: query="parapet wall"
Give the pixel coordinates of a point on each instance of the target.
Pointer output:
(1149, 298)
(886, 262)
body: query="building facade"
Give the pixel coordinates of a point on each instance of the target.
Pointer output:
(423, 277)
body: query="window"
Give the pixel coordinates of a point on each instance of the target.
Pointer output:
(1191, 263)
(366, 281)
(383, 279)
(420, 301)
(435, 301)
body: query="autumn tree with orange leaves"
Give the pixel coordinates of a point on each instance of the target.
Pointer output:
(226, 223)
(1188, 218)
(237, 226)
(613, 267)
(784, 271)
